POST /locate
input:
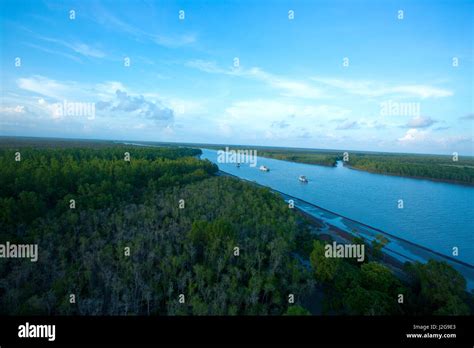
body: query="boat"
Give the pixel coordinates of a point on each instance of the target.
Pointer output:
(264, 169)
(302, 178)
(238, 165)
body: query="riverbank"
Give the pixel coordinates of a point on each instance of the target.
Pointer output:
(343, 230)
(325, 230)
(410, 176)
(330, 158)
(329, 232)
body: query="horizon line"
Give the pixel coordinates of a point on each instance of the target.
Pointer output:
(235, 145)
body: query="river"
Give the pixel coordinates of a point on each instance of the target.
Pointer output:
(435, 215)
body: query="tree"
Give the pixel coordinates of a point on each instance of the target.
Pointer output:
(297, 310)
(437, 289)
(325, 268)
(377, 244)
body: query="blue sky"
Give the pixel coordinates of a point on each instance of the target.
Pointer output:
(243, 72)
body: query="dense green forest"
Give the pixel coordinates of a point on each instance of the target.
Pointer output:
(136, 204)
(435, 167)
(144, 231)
(302, 157)
(370, 288)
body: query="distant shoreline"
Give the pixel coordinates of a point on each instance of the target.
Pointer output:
(447, 181)
(217, 146)
(410, 177)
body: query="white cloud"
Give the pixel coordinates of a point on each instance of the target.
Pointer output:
(304, 89)
(225, 129)
(420, 122)
(206, 66)
(377, 89)
(111, 98)
(264, 111)
(287, 87)
(78, 47)
(429, 140)
(55, 52)
(174, 41)
(295, 89)
(373, 124)
(347, 125)
(111, 22)
(450, 141)
(138, 106)
(19, 109)
(412, 135)
(254, 120)
(184, 107)
(86, 50)
(46, 87)
(422, 91)
(106, 90)
(468, 117)
(250, 111)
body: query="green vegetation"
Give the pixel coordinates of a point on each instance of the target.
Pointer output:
(135, 204)
(33, 142)
(324, 159)
(297, 310)
(181, 225)
(318, 157)
(370, 288)
(434, 167)
(43, 181)
(438, 289)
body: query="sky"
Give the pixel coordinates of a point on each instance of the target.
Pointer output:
(392, 76)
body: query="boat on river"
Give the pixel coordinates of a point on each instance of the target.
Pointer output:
(303, 178)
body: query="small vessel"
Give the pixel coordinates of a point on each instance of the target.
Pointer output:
(264, 169)
(238, 165)
(302, 178)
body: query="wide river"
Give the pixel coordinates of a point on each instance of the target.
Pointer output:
(438, 216)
